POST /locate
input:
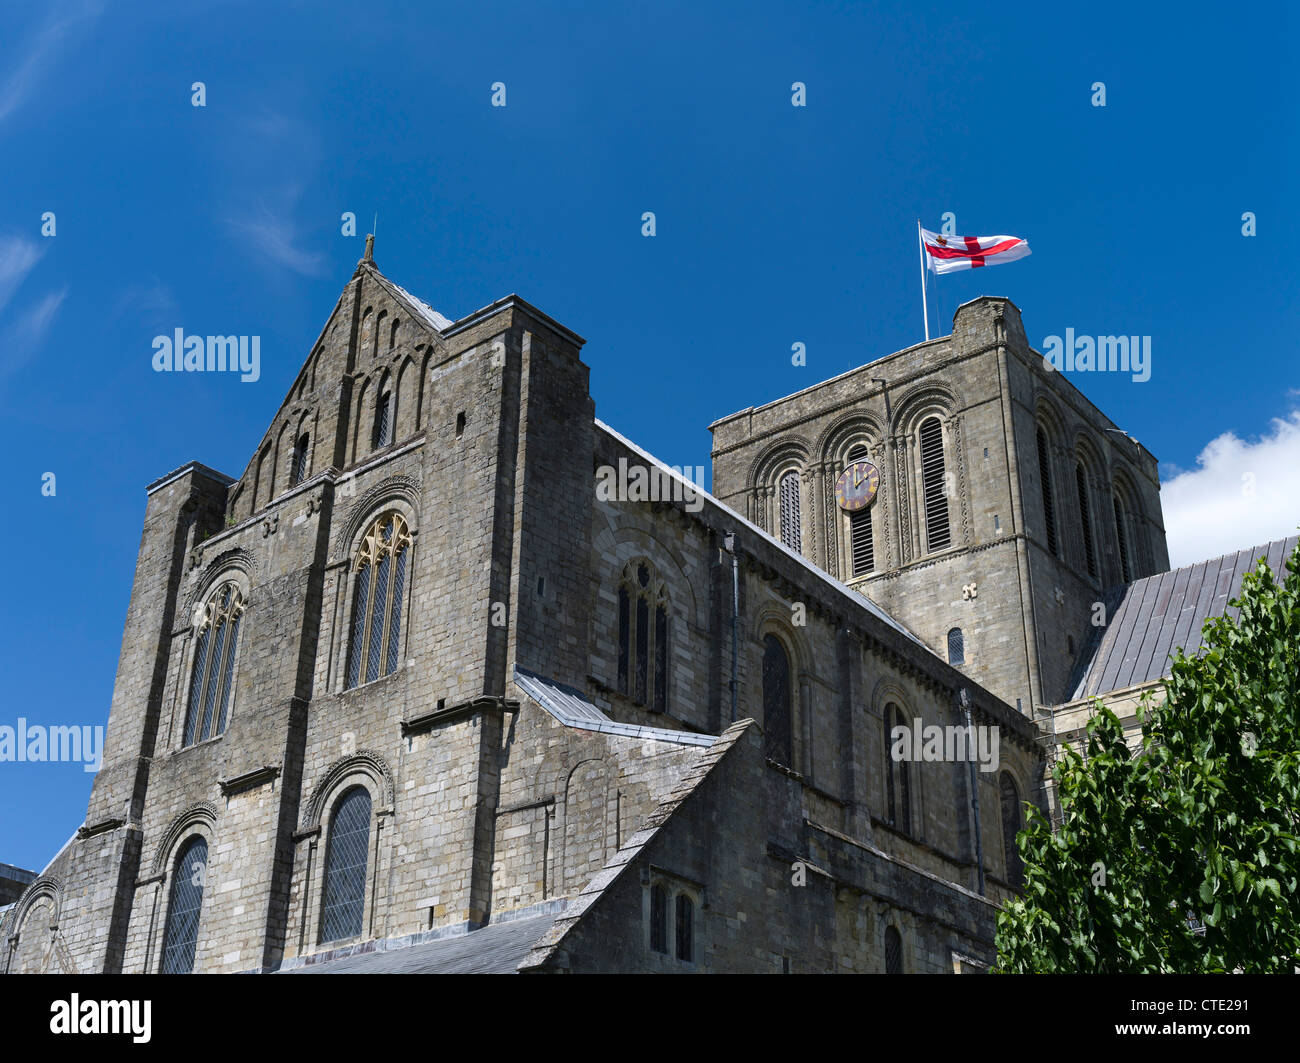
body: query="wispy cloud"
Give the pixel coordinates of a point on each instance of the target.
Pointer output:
(20, 342)
(35, 53)
(275, 147)
(17, 258)
(271, 233)
(1242, 493)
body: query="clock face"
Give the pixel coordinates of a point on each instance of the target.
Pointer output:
(856, 487)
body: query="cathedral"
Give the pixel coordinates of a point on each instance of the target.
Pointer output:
(410, 694)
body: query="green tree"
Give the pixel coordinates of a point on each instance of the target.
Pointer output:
(1183, 856)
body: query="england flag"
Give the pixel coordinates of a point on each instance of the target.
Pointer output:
(947, 254)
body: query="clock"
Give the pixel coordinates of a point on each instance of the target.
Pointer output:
(857, 485)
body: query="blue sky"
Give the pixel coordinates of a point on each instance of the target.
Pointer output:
(775, 225)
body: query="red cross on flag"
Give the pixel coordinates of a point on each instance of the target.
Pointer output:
(947, 254)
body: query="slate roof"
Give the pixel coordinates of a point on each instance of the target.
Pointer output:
(573, 709)
(1152, 616)
(496, 948)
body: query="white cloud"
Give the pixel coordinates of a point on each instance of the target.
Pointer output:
(272, 235)
(17, 257)
(36, 52)
(1242, 493)
(19, 344)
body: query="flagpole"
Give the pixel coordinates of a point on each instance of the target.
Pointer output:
(920, 246)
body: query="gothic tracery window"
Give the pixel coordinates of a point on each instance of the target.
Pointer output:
(184, 906)
(213, 670)
(643, 637)
(380, 569)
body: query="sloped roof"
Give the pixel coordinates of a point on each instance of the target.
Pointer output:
(496, 948)
(1151, 617)
(753, 529)
(552, 938)
(573, 709)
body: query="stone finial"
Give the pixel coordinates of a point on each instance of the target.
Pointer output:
(370, 248)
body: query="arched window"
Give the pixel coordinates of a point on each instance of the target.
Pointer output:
(347, 852)
(934, 485)
(184, 906)
(777, 723)
(659, 918)
(383, 430)
(956, 647)
(862, 547)
(685, 927)
(1085, 519)
(377, 605)
(643, 637)
(213, 671)
(791, 528)
(1121, 540)
(1010, 827)
(1045, 479)
(893, 951)
(300, 453)
(898, 781)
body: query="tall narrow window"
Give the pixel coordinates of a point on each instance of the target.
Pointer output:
(1011, 827)
(380, 569)
(1045, 479)
(893, 951)
(642, 640)
(661, 658)
(624, 637)
(862, 547)
(213, 671)
(184, 907)
(643, 637)
(791, 528)
(685, 927)
(934, 485)
(343, 901)
(299, 471)
(1121, 540)
(898, 783)
(956, 647)
(383, 433)
(1085, 519)
(777, 724)
(659, 918)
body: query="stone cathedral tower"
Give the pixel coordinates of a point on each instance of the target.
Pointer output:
(1007, 502)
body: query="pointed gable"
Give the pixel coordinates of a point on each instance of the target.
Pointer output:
(370, 362)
